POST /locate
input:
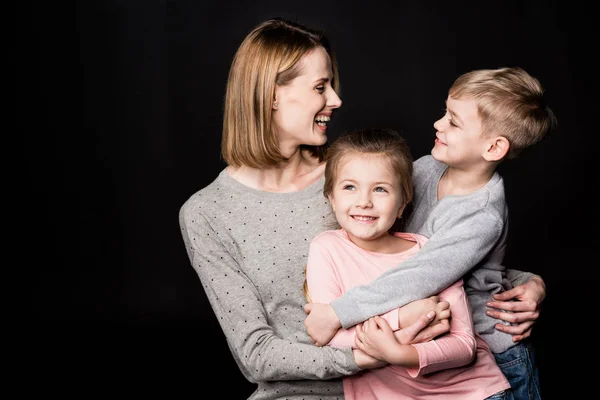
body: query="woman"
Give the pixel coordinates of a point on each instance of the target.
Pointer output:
(247, 233)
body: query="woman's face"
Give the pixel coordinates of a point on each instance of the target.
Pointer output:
(304, 106)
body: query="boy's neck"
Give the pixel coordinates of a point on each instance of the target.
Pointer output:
(461, 182)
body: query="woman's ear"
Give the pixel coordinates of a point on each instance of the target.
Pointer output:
(275, 104)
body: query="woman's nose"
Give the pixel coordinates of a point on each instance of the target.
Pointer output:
(333, 100)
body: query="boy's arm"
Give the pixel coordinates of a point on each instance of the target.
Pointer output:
(460, 243)
(323, 284)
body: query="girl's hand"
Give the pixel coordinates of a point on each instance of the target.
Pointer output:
(374, 337)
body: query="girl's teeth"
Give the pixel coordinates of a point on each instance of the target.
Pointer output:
(361, 218)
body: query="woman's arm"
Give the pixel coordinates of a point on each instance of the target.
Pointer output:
(260, 353)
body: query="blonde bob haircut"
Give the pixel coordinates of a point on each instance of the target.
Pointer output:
(268, 56)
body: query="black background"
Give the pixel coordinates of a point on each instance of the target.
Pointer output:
(120, 134)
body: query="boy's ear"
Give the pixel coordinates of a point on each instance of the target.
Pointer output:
(497, 148)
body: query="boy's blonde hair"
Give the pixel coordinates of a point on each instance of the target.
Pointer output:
(385, 142)
(510, 103)
(268, 56)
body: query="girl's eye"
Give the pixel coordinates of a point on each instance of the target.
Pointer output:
(348, 187)
(320, 89)
(380, 189)
(451, 122)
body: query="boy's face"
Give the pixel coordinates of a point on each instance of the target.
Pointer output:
(459, 142)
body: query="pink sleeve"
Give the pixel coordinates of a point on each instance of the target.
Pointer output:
(455, 348)
(324, 285)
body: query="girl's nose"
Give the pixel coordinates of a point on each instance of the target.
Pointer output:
(364, 201)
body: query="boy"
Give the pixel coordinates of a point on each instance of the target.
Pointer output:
(459, 204)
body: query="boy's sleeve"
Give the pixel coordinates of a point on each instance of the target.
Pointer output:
(460, 243)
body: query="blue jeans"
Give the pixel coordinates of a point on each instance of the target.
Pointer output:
(503, 395)
(519, 367)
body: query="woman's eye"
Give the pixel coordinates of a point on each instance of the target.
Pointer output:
(321, 89)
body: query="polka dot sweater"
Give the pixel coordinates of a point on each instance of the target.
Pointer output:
(249, 249)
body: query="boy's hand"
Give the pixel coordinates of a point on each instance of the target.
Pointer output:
(522, 305)
(321, 323)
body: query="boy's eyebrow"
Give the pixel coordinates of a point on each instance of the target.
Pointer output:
(455, 117)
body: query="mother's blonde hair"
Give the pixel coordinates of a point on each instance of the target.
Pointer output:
(268, 56)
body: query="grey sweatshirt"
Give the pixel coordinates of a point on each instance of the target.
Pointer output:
(249, 249)
(467, 237)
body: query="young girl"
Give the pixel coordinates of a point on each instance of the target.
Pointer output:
(368, 183)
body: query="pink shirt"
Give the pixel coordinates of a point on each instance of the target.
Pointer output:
(335, 265)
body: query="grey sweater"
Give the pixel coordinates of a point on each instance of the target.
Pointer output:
(467, 237)
(249, 250)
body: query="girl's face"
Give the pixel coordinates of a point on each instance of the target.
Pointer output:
(304, 106)
(366, 198)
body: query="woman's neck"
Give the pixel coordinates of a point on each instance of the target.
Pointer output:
(299, 172)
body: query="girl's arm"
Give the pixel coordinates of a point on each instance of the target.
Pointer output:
(454, 349)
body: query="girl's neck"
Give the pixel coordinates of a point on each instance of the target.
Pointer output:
(385, 244)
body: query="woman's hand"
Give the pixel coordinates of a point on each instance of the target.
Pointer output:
(519, 306)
